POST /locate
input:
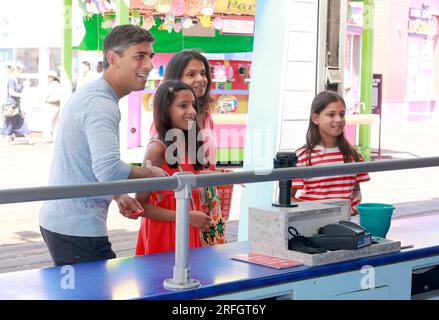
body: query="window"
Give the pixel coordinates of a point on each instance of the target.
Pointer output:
(29, 58)
(55, 59)
(419, 68)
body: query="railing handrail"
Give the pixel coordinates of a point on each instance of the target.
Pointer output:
(183, 182)
(18, 195)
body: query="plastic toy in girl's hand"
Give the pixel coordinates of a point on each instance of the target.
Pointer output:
(137, 214)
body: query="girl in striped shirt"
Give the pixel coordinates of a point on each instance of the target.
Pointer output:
(327, 145)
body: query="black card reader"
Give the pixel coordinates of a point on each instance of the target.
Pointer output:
(344, 235)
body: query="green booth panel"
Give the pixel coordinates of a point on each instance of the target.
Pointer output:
(166, 42)
(230, 156)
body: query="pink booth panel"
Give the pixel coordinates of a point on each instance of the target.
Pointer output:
(350, 132)
(230, 136)
(134, 105)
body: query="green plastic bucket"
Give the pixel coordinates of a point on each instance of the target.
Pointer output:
(376, 217)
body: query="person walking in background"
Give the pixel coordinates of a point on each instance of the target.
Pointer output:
(326, 144)
(87, 150)
(51, 102)
(99, 68)
(14, 121)
(85, 74)
(6, 73)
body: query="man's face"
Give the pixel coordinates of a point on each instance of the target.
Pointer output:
(134, 66)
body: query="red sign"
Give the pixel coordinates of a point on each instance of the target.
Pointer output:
(267, 261)
(238, 25)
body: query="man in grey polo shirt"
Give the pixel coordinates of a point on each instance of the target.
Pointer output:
(87, 150)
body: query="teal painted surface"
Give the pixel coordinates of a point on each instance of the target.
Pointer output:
(389, 282)
(264, 103)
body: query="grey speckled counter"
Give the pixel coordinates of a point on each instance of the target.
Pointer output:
(268, 232)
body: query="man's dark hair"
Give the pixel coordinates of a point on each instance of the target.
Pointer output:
(121, 37)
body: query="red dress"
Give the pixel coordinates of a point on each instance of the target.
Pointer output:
(159, 236)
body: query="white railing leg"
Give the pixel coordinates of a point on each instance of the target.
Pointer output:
(181, 277)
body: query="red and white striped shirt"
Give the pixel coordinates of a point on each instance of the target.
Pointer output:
(321, 188)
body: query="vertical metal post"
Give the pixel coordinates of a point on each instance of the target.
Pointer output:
(366, 74)
(181, 277)
(342, 41)
(123, 17)
(66, 58)
(122, 12)
(321, 52)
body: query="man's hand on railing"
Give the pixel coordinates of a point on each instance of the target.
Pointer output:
(147, 171)
(128, 206)
(199, 219)
(157, 172)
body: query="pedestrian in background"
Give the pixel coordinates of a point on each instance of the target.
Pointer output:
(5, 74)
(14, 119)
(51, 102)
(85, 74)
(99, 68)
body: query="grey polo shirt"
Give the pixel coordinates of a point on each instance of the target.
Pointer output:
(86, 150)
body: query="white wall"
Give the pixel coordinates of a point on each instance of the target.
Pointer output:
(301, 73)
(284, 77)
(31, 23)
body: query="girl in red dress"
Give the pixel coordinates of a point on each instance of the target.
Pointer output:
(174, 115)
(192, 67)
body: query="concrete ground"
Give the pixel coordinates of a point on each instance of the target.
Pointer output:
(414, 192)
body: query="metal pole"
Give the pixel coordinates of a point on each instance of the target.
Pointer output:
(67, 39)
(181, 276)
(366, 74)
(204, 180)
(122, 12)
(123, 17)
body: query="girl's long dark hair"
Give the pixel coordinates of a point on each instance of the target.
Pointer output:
(320, 102)
(174, 71)
(163, 99)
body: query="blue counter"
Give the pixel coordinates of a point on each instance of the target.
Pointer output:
(379, 277)
(142, 278)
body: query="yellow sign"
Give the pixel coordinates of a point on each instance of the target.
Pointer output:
(247, 7)
(424, 27)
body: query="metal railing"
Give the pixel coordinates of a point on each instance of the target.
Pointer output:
(182, 183)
